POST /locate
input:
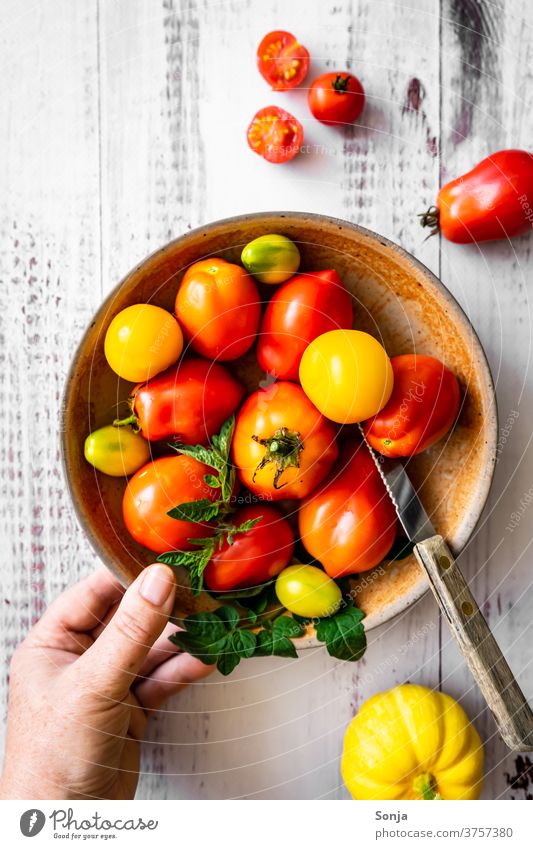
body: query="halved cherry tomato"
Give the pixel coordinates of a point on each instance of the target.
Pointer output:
(422, 408)
(218, 308)
(349, 523)
(188, 402)
(157, 488)
(275, 135)
(255, 556)
(303, 308)
(336, 98)
(282, 61)
(282, 446)
(492, 201)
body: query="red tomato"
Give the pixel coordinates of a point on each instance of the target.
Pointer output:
(188, 402)
(275, 135)
(336, 98)
(157, 488)
(349, 523)
(422, 408)
(282, 61)
(282, 446)
(255, 556)
(218, 308)
(304, 307)
(492, 201)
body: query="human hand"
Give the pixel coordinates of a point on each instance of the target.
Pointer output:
(83, 683)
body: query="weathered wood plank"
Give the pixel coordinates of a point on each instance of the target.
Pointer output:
(486, 106)
(49, 272)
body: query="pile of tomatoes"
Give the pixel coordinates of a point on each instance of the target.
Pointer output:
(227, 482)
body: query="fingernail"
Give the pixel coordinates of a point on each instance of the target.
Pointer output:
(156, 584)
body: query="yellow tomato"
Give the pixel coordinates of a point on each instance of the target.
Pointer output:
(141, 341)
(412, 743)
(116, 451)
(308, 591)
(347, 375)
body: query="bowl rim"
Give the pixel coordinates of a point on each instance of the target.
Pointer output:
(485, 481)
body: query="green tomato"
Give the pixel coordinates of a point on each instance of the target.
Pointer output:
(308, 591)
(116, 451)
(271, 259)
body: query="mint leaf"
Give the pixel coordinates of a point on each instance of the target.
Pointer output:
(207, 652)
(206, 626)
(268, 645)
(285, 626)
(228, 616)
(239, 644)
(343, 633)
(202, 510)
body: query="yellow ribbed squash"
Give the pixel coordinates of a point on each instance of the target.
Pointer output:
(412, 743)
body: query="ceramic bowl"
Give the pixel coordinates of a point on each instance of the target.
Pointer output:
(396, 298)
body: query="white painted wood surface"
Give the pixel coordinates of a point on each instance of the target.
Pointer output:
(121, 125)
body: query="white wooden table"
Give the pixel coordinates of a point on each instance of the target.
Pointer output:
(122, 125)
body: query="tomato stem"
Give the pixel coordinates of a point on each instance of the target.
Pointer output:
(425, 787)
(283, 449)
(339, 84)
(129, 420)
(430, 218)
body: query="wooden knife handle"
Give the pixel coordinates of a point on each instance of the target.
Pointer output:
(493, 676)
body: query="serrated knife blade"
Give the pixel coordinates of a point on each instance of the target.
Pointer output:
(410, 510)
(480, 650)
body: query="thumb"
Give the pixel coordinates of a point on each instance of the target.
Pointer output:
(115, 658)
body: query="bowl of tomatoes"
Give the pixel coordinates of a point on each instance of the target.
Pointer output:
(212, 421)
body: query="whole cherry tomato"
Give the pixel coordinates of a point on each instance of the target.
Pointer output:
(422, 408)
(336, 98)
(308, 591)
(282, 446)
(301, 309)
(275, 135)
(492, 201)
(347, 375)
(282, 61)
(157, 488)
(116, 452)
(141, 341)
(349, 523)
(254, 556)
(188, 402)
(218, 308)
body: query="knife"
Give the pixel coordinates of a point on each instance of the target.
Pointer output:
(478, 646)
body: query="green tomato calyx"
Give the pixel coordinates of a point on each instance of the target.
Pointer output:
(130, 420)
(283, 449)
(425, 787)
(340, 83)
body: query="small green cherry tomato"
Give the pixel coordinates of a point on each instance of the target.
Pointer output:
(308, 591)
(116, 451)
(271, 259)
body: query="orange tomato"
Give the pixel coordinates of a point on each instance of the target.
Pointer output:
(218, 308)
(157, 488)
(349, 524)
(282, 446)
